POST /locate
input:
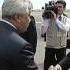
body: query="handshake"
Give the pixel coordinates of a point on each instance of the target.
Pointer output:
(57, 67)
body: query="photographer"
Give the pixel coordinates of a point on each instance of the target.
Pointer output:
(56, 25)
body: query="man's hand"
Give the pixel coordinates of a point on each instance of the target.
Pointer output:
(57, 67)
(51, 67)
(53, 17)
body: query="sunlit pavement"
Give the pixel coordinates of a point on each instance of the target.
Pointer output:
(39, 56)
(40, 50)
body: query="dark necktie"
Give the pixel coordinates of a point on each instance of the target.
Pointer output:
(60, 18)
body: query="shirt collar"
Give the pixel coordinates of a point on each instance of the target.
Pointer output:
(8, 23)
(59, 15)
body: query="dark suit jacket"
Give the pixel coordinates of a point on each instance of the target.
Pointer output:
(65, 63)
(15, 52)
(31, 34)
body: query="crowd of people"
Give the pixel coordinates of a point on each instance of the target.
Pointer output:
(18, 37)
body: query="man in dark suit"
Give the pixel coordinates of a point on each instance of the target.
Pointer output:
(31, 34)
(15, 52)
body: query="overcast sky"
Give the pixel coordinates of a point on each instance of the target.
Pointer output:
(37, 4)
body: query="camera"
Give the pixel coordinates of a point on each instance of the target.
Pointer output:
(48, 8)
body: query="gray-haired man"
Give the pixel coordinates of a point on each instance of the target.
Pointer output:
(15, 52)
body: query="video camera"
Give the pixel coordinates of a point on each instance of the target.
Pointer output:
(48, 8)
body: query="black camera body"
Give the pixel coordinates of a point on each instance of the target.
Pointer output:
(48, 8)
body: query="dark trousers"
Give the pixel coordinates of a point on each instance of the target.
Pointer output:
(53, 56)
(68, 44)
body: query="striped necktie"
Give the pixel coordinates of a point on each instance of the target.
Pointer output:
(60, 18)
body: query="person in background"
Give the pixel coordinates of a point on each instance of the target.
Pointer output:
(68, 40)
(31, 34)
(56, 27)
(15, 52)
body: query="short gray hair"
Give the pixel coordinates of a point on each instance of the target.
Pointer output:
(12, 7)
(29, 5)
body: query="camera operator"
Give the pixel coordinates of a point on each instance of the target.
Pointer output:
(56, 26)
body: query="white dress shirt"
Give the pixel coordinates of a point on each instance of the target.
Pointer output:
(56, 32)
(65, 27)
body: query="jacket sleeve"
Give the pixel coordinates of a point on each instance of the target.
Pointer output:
(27, 59)
(65, 63)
